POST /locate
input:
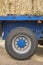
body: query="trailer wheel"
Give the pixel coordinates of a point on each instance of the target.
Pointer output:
(21, 43)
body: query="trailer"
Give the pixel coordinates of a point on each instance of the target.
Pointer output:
(21, 34)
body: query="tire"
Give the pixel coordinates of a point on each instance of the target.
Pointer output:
(10, 43)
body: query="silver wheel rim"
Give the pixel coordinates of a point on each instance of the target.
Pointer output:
(23, 50)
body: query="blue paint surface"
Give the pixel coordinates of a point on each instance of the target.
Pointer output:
(21, 43)
(36, 28)
(21, 17)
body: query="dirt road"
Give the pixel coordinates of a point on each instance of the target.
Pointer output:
(37, 59)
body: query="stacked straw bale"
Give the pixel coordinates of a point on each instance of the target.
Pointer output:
(38, 7)
(21, 7)
(18, 7)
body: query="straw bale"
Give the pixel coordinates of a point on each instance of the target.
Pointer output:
(38, 7)
(4, 8)
(23, 7)
(18, 7)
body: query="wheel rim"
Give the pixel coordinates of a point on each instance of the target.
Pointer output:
(21, 44)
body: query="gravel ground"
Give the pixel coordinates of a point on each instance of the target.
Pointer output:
(5, 59)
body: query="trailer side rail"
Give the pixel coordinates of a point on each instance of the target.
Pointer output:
(21, 17)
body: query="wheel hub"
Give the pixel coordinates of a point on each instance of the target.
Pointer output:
(21, 42)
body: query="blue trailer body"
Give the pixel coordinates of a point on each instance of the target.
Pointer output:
(21, 43)
(34, 26)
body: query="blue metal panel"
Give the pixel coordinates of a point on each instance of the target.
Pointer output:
(39, 31)
(36, 28)
(21, 17)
